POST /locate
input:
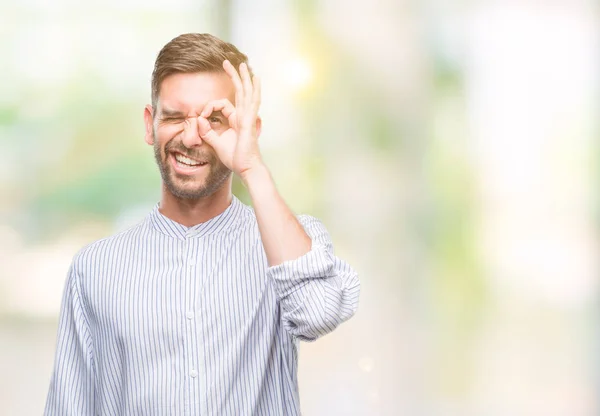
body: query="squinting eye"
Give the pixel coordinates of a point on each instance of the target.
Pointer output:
(214, 119)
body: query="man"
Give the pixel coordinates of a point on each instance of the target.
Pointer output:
(198, 309)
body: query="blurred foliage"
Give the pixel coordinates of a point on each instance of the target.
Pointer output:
(441, 216)
(73, 154)
(8, 115)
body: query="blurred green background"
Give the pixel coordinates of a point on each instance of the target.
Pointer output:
(451, 148)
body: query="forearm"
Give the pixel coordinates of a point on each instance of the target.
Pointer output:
(317, 291)
(283, 237)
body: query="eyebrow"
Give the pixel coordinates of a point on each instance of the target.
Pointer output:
(166, 113)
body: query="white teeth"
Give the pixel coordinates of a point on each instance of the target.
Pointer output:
(182, 159)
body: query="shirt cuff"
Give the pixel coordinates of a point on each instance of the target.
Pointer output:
(293, 275)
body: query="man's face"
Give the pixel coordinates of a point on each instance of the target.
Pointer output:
(189, 167)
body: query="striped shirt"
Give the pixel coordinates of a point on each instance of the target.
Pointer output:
(163, 319)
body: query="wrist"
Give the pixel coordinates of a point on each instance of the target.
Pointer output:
(256, 175)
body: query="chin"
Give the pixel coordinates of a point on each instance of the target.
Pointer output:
(194, 187)
(188, 192)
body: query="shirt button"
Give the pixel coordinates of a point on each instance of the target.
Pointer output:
(193, 374)
(189, 315)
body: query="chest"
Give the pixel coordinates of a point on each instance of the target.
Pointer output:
(146, 292)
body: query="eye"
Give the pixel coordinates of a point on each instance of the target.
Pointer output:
(214, 119)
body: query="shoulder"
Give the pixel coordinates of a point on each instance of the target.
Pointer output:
(313, 226)
(248, 217)
(99, 249)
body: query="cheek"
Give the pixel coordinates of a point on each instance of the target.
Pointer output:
(170, 129)
(165, 134)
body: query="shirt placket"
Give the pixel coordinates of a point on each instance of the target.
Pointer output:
(195, 353)
(192, 373)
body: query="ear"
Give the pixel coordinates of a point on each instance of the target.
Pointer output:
(258, 126)
(149, 123)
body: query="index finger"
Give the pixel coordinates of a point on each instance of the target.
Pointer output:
(223, 105)
(235, 78)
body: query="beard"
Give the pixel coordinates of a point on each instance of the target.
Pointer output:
(188, 187)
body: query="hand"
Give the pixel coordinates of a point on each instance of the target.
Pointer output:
(236, 147)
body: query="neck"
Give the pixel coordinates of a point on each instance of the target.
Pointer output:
(190, 212)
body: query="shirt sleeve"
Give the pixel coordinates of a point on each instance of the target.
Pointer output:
(72, 386)
(317, 291)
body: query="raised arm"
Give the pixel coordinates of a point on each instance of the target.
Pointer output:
(317, 291)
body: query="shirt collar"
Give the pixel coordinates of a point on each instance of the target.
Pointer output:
(224, 220)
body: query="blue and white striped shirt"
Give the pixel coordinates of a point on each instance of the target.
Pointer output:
(163, 319)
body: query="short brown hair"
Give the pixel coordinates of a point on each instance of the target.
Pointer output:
(190, 53)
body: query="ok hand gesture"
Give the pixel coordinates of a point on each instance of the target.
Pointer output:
(236, 147)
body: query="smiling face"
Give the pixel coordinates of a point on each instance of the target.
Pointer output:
(188, 166)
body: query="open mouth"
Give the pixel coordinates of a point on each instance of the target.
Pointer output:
(185, 161)
(186, 165)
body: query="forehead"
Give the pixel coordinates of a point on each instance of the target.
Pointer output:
(189, 92)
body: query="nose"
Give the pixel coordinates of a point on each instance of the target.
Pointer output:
(189, 135)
